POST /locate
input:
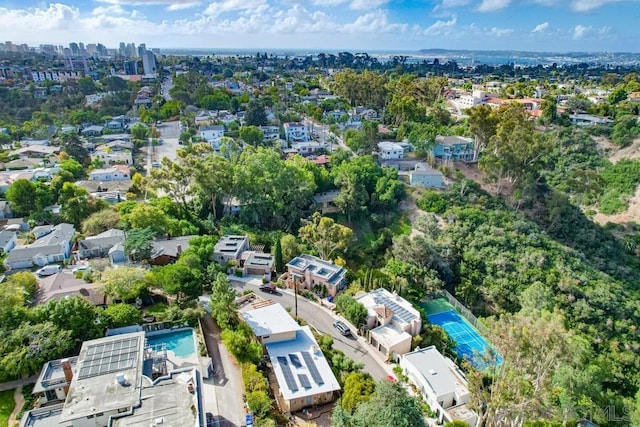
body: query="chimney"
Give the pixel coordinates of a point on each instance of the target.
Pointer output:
(179, 249)
(68, 374)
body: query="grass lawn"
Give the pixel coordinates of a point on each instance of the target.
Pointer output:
(156, 309)
(6, 407)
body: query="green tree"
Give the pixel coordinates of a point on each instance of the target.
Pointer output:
(277, 255)
(71, 144)
(325, 235)
(22, 197)
(213, 180)
(100, 222)
(358, 388)
(76, 203)
(483, 122)
(255, 114)
(140, 131)
(120, 315)
(354, 311)
(139, 244)
(259, 402)
(252, 135)
(126, 283)
(179, 280)
(223, 304)
(75, 314)
(240, 343)
(389, 406)
(146, 216)
(73, 167)
(290, 247)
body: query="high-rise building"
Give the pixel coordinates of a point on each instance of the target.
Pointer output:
(130, 68)
(149, 63)
(75, 49)
(122, 50)
(142, 50)
(83, 51)
(102, 50)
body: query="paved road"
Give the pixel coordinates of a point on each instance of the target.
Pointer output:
(325, 135)
(169, 132)
(323, 322)
(166, 86)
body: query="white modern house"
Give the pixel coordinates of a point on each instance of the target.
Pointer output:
(302, 372)
(296, 132)
(441, 383)
(271, 133)
(391, 322)
(114, 173)
(230, 248)
(388, 150)
(309, 147)
(212, 134)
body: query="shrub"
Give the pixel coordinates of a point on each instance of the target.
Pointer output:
(432, 201)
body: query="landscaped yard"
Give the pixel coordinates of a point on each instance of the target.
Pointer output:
(6, 407)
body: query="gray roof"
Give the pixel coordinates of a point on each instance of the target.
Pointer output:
(49, 244)
(170, 247)
(61, 233)
(5, 237)
(212, 127)
(453, 140)
(105, 240)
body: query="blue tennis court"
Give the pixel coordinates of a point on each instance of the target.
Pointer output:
(469, 343)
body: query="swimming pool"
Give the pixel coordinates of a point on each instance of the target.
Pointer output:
(181, 342)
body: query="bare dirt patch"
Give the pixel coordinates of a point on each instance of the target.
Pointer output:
(630, 152)
(632, 214)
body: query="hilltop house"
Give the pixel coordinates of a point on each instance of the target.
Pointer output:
(296, 132)
(308, 271)
(212, 134)
(453, 148)
(230, 248)
(424, 175)
(388, 150)
(114, 173)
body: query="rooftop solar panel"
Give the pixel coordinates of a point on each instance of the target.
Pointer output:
(295, 361)
(304, 381)
(313, 369)
(113, 356)
(286, 371)
(404, 314)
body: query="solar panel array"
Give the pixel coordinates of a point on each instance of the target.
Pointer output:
(295, 361)
(403, 313)
(288, 376)
(109, 357)
(311, 366)
(304, 380)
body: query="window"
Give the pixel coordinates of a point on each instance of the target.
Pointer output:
(50, 395)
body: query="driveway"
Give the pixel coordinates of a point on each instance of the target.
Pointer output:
(322, 320)
(223, 392)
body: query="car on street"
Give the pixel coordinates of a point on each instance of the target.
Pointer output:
(155, 165)
(268, 288)
(342, 328)
(79, 268)
(49, 270)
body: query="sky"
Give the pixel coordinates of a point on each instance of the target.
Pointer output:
(373, 25)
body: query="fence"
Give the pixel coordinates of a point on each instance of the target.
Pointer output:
(464, 311)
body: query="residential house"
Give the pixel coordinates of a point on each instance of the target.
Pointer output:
(21, 164)
(308, 272)
(305, 148)
(453, 148)
(65, 285)
(93, 130)
(391, 322)
(257, 263)
(117, 145)
(8, 240)
(110, 157)
(441, 383)
(390, 150)
(98, 187)
(118, 381)
(475, 98)
(296, 132)
(52, 384)
(114, 173)
(589, 120)
(117, 123)
(35, 142)
(230, 248)
(167, 251)
(212, 134)
(35, 151)
(99, 245)
(301, 371)
(424, 175)
(321, 160)
(325, 202)
(118, 137)
(52, 245)
(271, 133)
(203, 118)
(364, 113)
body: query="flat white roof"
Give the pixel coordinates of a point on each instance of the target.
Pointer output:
(389, 146)
(403, 310)
(389, 336)
(269, 320)
(442, 375)
(300, 367)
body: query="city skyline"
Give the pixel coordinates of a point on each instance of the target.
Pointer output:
(533, 25)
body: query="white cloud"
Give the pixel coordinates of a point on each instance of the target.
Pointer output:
(500, 32)
(540, 27)
(491, 5)
(580, 31)
(441, 27)
(114, 9)
(587, 5)
(182, 6)
(216, 8)
(328, 2)
(366, 4)
(171, 4)
(374, 22)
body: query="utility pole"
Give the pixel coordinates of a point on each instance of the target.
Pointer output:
(295, 295)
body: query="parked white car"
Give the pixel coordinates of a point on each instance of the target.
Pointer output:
(49, 270)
